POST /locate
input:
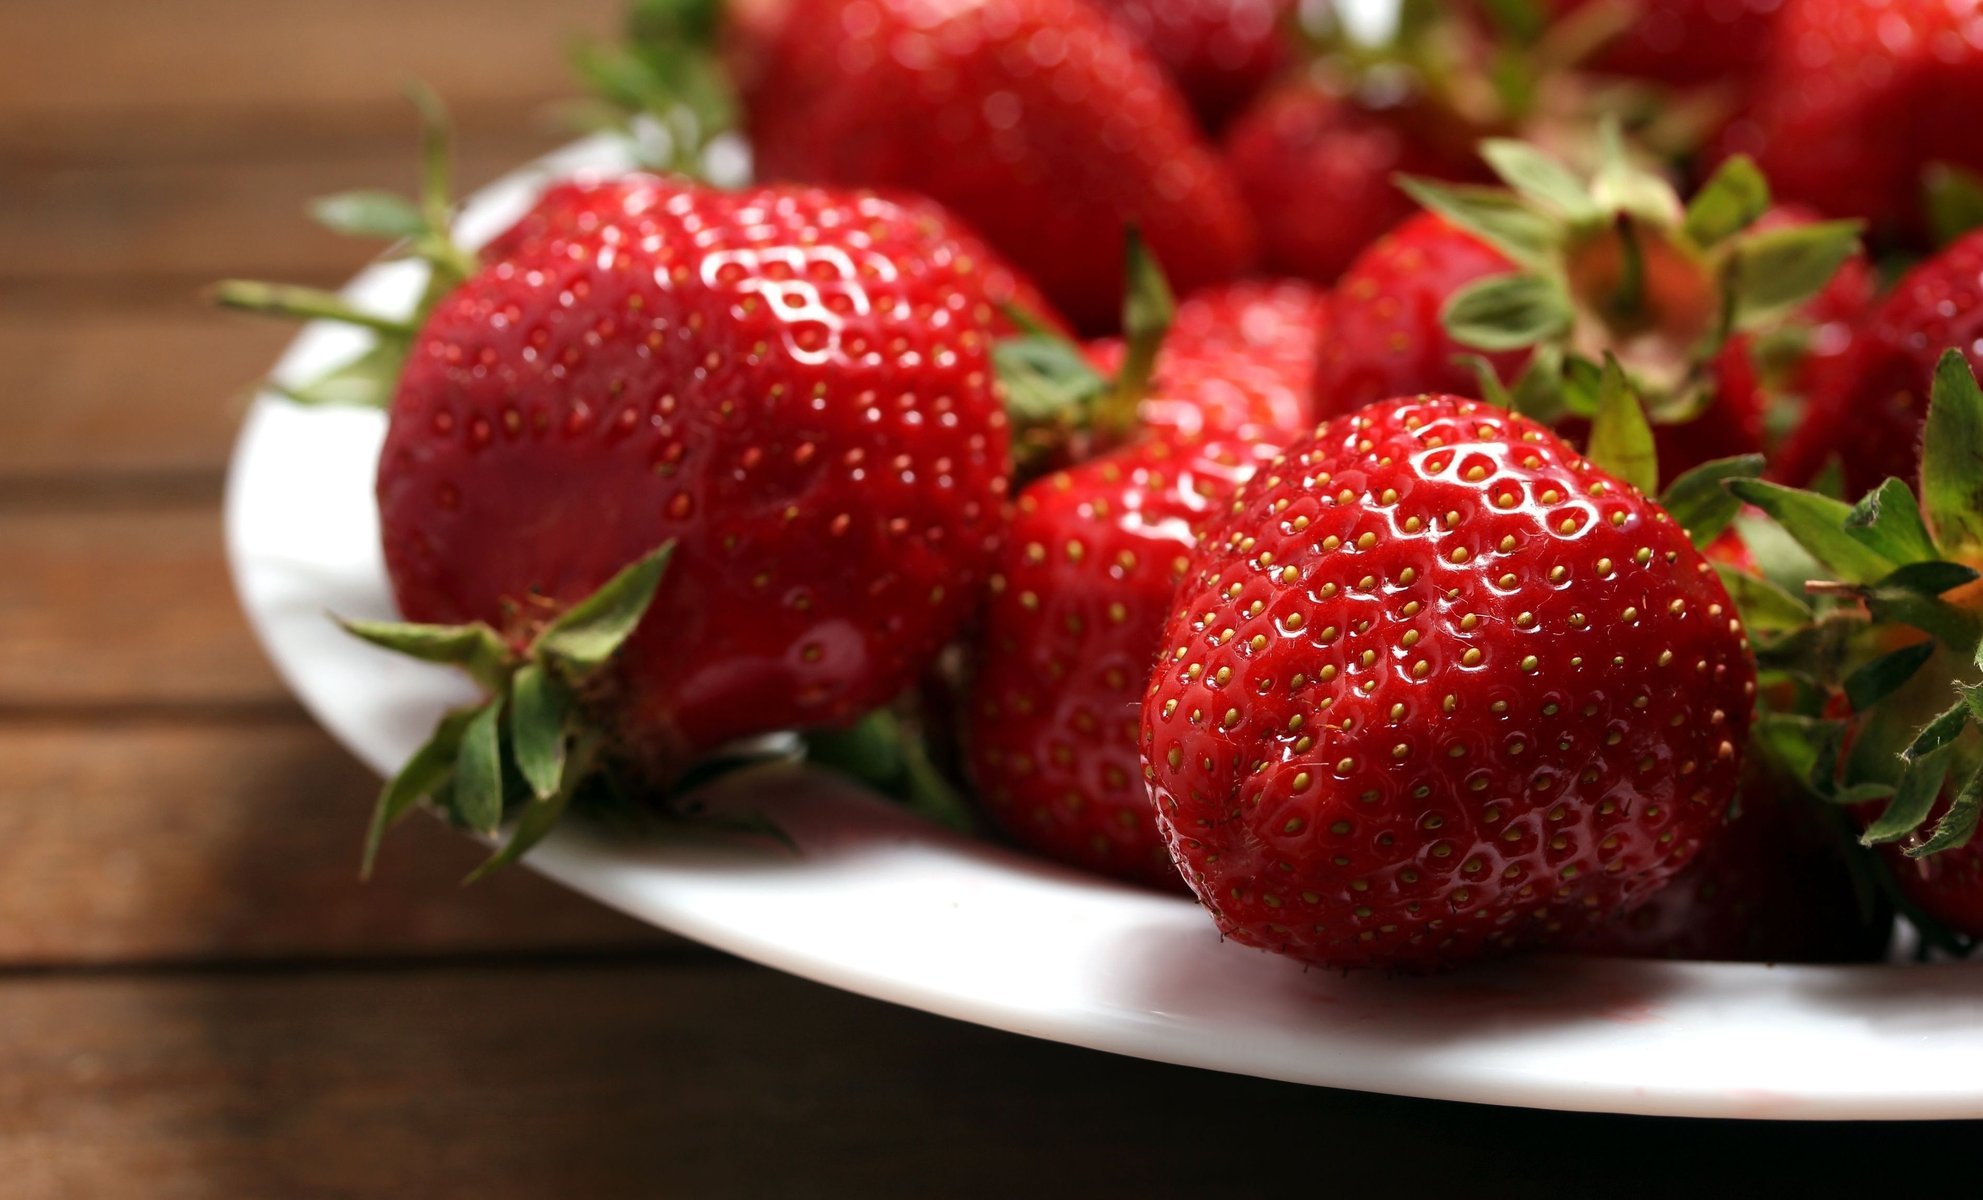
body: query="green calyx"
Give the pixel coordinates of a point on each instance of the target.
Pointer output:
(1060, 405)
(1610, 261)
(662, 85)
(528, 749)
(416, 228)
(1892, 620)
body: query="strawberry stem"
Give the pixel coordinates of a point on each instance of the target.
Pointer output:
(1147, 310)
(303, 303)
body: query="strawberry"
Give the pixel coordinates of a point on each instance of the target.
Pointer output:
(1568, 268)
(1034, 120)
(1868, 410)
(1686, 42)
(1304, 145)
(1239, 361)
(1855, 101)
(1386, 337)
(1072, 626)
(1084, 581)
(1437, 686)
(789, 387)
(1220, 52)
(1775, 886)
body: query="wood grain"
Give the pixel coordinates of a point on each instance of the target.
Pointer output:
(124, 392)
(138, 841)
(127, 233)
(707, 1079)
(121, 80)
(129, 606)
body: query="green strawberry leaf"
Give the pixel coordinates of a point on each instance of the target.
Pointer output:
(1494, 216)
(1520, 21)
(588, 633)
(367, 381)
(1621, 440)
(1876, 680)
(1954, 201)
(1539, 177)
(1817, 523)
(1920, 784)
(1729, 202)
(1765, 607)
(1623, 186)
(1507, 312)
(1940, 732)
(475, 647)
(539, 709)
(478, 770)
(1953, 831)
(1952, 459)
(1047, 380)
(1900, 600)
(369, 214)
(425, 773)
(1930, 578)
(1775, 270)
(1887, 520)
(1699, 502)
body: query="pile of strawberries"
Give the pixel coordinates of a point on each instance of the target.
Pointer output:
(1359, 479)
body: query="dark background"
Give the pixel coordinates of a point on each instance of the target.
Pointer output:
(196, 996)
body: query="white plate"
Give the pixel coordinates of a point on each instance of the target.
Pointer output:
(883, 904)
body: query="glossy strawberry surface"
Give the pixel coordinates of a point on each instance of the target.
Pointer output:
(1069, 634)
(1220, 52)
(1775, 886)
(1856, 98)
(1437, 687)
(1084, 581)
(1867, 410)
(1318, 172)
(1036, 121)
(793, 385)
(580, 207)
(1385, 338)
(1239, 362)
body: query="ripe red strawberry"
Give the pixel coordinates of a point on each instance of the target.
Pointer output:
(579, 207)
(1318, 169)
(1239, 362)
(1034, 120)
(1687, 42)
(1868, 409)
(1385, 334)
(1774, 886)
(1856, 99)
(790, 385)
(1220, 52)
(1069, 633)
(1437, 686)
(1085, 578)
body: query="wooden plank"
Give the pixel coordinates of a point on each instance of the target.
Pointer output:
(141, 841)
(114, 80)
(152, 232)
(715, 1080)
(128, 391)
(123, 607)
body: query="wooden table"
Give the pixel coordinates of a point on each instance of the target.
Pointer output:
(197, 997)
